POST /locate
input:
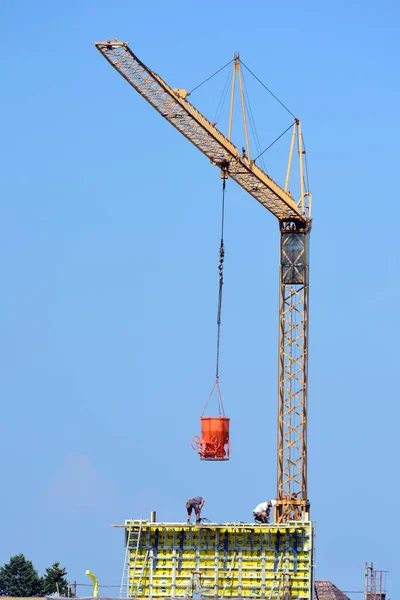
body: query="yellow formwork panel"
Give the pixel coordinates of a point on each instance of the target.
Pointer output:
(231, 560)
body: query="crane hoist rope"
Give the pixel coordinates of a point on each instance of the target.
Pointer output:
(213, 444)
(221, 277)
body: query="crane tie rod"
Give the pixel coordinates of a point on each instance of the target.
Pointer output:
(275, 140)
(268, 90)
(211, 76)
(221, 277)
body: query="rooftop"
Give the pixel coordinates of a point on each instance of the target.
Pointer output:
(326, 590)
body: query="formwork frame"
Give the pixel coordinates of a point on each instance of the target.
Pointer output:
(230, 560)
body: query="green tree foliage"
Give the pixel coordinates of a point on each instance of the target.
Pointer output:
(19, 578)
(54, 581)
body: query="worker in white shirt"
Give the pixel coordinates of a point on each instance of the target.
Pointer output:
(262, 511)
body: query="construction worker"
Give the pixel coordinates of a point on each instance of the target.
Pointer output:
(196, 504)
(262, 511)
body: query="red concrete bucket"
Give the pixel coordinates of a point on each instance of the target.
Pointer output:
(214, 441)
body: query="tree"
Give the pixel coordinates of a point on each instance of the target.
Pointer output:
(19, 578)
(54, 581)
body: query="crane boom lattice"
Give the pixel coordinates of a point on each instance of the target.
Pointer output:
(173, 105)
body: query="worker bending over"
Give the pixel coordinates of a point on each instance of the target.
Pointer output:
(262, 511)
(196, 504)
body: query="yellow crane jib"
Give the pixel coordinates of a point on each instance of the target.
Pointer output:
(174, 106)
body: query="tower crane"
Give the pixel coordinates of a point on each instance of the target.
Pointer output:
(294, 217)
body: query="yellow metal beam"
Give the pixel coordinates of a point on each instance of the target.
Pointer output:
(300, 150)
(289, 167)
(292, 497)
(232, 99)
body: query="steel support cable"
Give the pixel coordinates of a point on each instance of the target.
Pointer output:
(252, 120)
(274, 142)
(221, 410)
(268, 90)
(222, 99)
(211, 76)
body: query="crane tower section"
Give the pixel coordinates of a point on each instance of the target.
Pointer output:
(294, 218)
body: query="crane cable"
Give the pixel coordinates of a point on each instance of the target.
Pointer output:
(221, 277)
(268, 90)
(221, 410)
(211, 76)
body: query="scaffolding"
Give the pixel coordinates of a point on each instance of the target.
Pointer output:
(375, 583)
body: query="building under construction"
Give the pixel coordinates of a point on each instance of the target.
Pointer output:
(216, 560)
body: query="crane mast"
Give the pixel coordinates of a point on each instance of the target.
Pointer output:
(295, 224)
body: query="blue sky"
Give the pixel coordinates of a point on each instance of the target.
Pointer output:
(109, 241)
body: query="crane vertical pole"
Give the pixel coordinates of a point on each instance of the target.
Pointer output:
(246, 136)
(292, 500)
(289, 167)
(235, 60)
(301, 152)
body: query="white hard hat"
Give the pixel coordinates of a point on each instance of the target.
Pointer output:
(273, 502)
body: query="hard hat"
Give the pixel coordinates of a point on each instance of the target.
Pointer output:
(273, 502)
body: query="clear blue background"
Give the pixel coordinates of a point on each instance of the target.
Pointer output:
(109, 241)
